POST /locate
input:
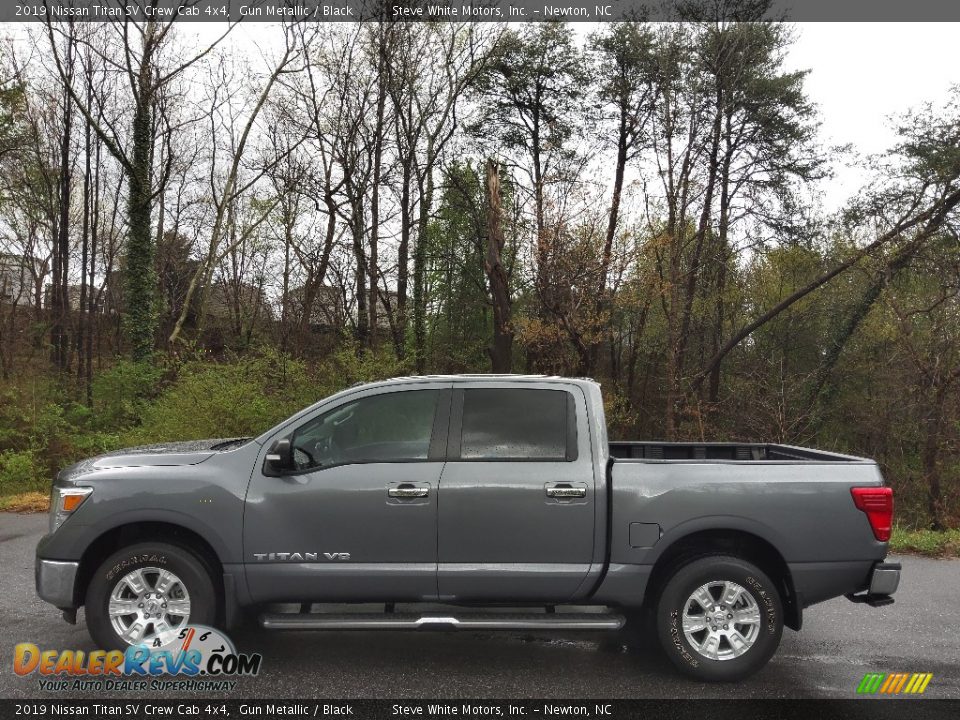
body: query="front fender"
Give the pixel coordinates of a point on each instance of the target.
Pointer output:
(72, 540)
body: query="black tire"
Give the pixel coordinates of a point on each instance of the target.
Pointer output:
(673, 602)
(191, 571)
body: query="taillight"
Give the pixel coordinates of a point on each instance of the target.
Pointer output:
(877, 503)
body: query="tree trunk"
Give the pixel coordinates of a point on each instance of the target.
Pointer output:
(403, 260)
(92, 305)
(363, 327)
(373, 262)
(285, 296)
(425, 181)
(933, 424)
(84, 317)
(315, 279)
(141, 316)
(501, 352)
(60, 295)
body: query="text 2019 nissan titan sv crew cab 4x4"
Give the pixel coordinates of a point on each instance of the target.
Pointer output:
(497, 499)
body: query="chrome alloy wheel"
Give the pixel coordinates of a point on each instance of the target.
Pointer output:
(149, 603)
(721, 620)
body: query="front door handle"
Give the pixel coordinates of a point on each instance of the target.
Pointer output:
(407, 491)
(566, 491)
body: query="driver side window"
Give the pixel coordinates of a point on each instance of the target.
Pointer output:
(392, 427)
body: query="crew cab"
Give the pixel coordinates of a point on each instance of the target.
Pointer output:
(468, 502)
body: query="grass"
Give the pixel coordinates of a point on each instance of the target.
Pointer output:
(28, 502)
(932, 543)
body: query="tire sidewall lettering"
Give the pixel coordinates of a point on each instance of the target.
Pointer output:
(129, 562)
(679, 642)
(763, 596)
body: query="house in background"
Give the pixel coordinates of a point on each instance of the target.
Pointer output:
(328, 310)
(74, 293)
(383, 313)
(17, 277)
(225, 300)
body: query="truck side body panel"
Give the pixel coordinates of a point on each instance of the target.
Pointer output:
(804, 511)
(478, 530)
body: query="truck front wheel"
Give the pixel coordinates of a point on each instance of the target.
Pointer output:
(719, 618)
(145, 594)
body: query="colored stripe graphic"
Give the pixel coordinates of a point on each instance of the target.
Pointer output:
(870, 683)
(894, 683)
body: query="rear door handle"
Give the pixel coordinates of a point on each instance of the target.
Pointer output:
(566, 491)
(407, 491)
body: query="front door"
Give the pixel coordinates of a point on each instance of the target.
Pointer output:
(356, 519)
(516, 494)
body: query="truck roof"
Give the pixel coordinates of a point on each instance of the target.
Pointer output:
(472, 376)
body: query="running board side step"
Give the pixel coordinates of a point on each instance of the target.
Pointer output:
(441, 621)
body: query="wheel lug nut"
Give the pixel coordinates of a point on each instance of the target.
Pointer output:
(140, 605)
(725, 627)
(730, 616)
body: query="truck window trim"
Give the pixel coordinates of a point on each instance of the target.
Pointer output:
(455, 436)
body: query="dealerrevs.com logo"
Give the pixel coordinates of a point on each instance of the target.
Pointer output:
(199, 657)
(894, 683)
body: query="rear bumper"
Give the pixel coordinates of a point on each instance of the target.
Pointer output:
(884, 581)
(55, 581)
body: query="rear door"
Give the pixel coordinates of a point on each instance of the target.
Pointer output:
(516, 513)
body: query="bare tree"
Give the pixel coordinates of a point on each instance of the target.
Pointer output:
(237, 127)
(149, 73)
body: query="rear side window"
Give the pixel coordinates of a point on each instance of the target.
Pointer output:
(515, 424)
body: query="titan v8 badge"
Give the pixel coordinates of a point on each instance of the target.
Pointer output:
(301, 557)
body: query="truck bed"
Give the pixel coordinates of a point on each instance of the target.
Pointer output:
(742, 452)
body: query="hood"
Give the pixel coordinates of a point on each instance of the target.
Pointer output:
(191, 452)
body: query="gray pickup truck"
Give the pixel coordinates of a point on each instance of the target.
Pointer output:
(493, 502)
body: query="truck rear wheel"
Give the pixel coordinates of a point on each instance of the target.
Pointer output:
(145, 594)
(719, 618)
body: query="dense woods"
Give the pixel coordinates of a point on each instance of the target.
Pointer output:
(200, 234)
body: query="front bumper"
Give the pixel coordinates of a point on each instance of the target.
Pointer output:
(884, 581)
(55, 581)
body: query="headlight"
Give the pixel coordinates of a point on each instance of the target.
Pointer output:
(64, 502)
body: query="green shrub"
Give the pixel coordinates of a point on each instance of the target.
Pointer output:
(20, 472)
(42, 429)
(121, 393)
(351, 365)
(240, 398)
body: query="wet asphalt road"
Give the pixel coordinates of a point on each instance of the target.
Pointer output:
(840, 642)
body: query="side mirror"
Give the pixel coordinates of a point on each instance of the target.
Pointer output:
(280, 457)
